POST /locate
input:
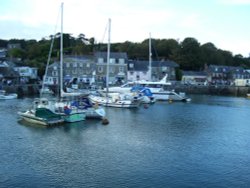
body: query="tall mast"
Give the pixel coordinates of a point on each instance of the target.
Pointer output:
(108, 57)
(150, 58)
(61, 53)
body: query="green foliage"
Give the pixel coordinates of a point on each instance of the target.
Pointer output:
(178, 74)
(3, 43)
(16, 53)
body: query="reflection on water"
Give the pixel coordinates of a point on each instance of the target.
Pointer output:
(204, 143)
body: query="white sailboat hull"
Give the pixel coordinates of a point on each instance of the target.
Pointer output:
(114, 103)
(8, 96)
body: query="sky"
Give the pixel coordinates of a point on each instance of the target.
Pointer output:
(223, 22)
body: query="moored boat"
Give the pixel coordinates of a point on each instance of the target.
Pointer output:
(4, 95)
(41, 116)
(115, 100)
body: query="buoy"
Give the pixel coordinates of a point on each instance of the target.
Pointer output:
(105, 121)
(170, 101)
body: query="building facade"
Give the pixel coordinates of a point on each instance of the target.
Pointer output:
(139, 70)
(225, 75)
(117, 67)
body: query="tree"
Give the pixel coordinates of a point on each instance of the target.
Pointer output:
(190, 54)
(16, 53)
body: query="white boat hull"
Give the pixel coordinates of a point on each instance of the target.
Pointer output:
(93, 113)
(114, 103)
(8, 96)
(30, 117)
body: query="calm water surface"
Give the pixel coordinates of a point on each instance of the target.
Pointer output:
(205, 143)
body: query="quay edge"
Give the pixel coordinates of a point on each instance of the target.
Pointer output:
(239, 91)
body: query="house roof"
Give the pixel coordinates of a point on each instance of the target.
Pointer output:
(115, 55)
(143, 65)
(194, 73)
(79, 57)
(138, 65)
(8, 72)
(222, 68)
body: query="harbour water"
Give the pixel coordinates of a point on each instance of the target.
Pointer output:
(204, 143)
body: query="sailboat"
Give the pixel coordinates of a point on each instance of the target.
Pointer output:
(65, 107)
(64, 110)
(80, 107)
(113, 99)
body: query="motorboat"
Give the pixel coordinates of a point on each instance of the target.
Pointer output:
(156, 88)
(4, 95)
(115, 100)
(41, 116)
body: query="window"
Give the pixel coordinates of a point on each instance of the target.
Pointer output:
(100, 69)
(54, 73)
(131, 65)
(112, 60)
(100, 60)
(88, 65)
(75, 64)
(67, 72)
(121, 69)
(164, 68)
(121, 61)
(67, 65)
(112, 69)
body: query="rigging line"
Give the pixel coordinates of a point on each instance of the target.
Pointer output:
(50, 52)
(106, 28)
(155, 51)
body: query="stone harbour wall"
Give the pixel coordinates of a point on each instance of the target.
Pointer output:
(238, 91)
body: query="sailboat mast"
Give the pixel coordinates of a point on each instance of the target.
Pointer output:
(61, 53)
(150, 58)
(108, 57)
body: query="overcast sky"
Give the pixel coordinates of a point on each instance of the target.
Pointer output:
(225, 23)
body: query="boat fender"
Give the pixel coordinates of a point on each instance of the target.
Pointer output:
(67, 110)
(105, 121)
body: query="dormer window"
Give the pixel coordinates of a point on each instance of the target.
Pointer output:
(112, 60)
(100, 60)
(121, 61)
